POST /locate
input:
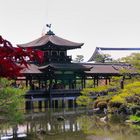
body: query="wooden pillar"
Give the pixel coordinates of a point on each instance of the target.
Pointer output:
(39, 83)
(122, 84)
(94, 82)
(109, 80)
(70, 103)
(40, 104)
(56, 103)
(53, 103)
(75, 104)
(46, 104)
(106, 81)
(28, 105)
(50, 96)
(97, 81)
(26, 82)
(63, 103)
(30, 80)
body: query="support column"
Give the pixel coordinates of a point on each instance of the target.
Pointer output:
(26, 82)
(39, 83)
(63, 103)
(97, 81)
(40, 105)
(109, 80)
(106, 81)
(56, 103)
(28, 105)
(94, 82)
(46, 104)
(75, 104)
(53, 103)
(50, 96)
(70, 103)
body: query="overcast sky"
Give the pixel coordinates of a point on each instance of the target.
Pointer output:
(102, 23)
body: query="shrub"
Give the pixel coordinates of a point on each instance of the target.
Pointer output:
(115, 104)
(84, 100)
(116, 101)
(102, 105)
(101, 99)
(134, 118)
(138, 113)
(123, 109)
(134, 109)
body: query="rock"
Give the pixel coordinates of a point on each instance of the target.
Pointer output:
(128, 121)
(60, 118)
(104, 119)
(133, 122)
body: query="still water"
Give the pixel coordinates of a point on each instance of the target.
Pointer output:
(65, 124)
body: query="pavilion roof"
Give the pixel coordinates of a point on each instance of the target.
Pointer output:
(88, 68)
(69, 66)
(53, 39)
(110, 69)
(31, 69)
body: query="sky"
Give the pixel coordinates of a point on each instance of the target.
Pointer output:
(96, 23)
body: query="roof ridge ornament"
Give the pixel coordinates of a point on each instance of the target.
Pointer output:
(50, 32)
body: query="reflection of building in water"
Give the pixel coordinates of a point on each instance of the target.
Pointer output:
(49, 123)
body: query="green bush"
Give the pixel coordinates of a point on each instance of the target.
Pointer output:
(102, 105)
(134, 118)
(84, 100)
(138, 113)
(116, 101)
(115, 104)
(11, 101)
(101, 99)
(134, 109)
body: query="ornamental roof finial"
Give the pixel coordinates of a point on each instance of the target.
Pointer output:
(49, 32)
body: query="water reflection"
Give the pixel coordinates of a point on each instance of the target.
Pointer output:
(112, 130)
(69, 125)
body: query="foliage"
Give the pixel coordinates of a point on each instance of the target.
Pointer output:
(89, 83)
(12, 59)
(135, 108)
(101, 99)
(138, 113)
(79, 58)
(129, 98)
(103, 58)
(115, 81)
(134, 118)
(84, 100)
(102, 105)
(96, 89)
(11, 101)
(133, 59)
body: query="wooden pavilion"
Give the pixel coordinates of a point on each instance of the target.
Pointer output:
(56, 76)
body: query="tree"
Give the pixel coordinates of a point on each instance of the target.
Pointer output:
(79, 58)
(133, 59)
(11, 101)
(103, 58)
(13, 59)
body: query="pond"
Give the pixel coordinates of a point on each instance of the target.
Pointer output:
(69, 124)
